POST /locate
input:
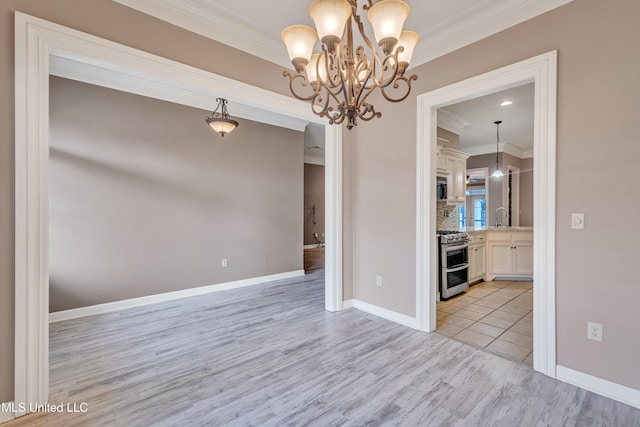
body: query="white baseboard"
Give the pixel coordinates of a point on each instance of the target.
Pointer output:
(168, 296)
(599, 386)
(7, 416)
(393, 316)
(320, 245)
(347, 304)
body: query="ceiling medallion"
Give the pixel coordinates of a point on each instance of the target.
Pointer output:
(339, 79)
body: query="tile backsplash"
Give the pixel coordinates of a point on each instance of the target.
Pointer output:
(447, 217)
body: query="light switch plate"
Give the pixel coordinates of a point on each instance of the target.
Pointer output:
(577, 221)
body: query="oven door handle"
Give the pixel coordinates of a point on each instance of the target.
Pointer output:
(455, 248)
(457, 268)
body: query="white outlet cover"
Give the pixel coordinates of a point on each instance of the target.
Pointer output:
(577, 221)
(594, 331)
(378, 281)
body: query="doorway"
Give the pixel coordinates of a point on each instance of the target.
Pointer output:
(542, 71)
(37, 43)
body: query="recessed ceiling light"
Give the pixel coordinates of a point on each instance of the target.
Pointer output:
(506, 103)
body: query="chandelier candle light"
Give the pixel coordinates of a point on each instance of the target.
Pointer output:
(221, 121)
(338, 80)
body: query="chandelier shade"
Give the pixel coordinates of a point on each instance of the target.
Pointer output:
(338, 79)
(387, 18)
(299, 40)
(330, 17)
(408, 41)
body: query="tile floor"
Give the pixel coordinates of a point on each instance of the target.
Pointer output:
(496, 316)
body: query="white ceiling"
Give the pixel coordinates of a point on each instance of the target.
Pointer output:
(443, 25)
(255, 26)
(474, 121)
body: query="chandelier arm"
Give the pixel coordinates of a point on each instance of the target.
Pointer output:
(330, 63)
(305, 82)
(366, 108)
(338, 115)
(367, 6)
(407, 81)
(318, 100)
(362, 65)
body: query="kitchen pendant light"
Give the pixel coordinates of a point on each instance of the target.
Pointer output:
(498, 172)
(339, 79)
(221, 121)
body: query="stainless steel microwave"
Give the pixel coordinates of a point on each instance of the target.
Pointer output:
(441, 189)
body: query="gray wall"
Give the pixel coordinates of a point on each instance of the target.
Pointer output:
(146, 198)
(597, 114)
(313, 197)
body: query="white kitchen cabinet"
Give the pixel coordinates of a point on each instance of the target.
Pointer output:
(509, 254)
(456, 165)
(477, 256)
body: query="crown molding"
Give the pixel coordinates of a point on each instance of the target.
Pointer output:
(478, 23)
(505, 147)
(118, 80)
(220, 26)
(451, 122)
(475, 24)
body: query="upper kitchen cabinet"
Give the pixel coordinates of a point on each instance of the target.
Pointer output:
(456, 166)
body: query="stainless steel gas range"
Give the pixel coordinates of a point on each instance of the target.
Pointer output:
(453, 263)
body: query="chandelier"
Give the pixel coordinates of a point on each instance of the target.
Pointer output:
(339, 79)
(220, 121)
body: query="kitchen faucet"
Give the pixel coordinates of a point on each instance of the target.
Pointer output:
(506, 215)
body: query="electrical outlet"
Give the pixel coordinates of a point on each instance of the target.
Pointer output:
(594, 331)
(379, 281)
(577, 221)
(224, 262)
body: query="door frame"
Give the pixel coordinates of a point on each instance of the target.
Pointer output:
(37, 41)
(542, 71)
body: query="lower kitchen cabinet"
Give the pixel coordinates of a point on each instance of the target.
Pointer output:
(509, 254)
(477, 256)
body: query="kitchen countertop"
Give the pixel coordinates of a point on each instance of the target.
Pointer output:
(472, 229)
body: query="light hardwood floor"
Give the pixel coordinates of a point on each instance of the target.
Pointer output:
(270, 355)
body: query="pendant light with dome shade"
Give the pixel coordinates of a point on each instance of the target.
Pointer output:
(221, 122)
(498, 172)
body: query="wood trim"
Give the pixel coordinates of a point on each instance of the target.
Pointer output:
(109, 307)
(621, 393)
(36, 42)
(542, 71)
